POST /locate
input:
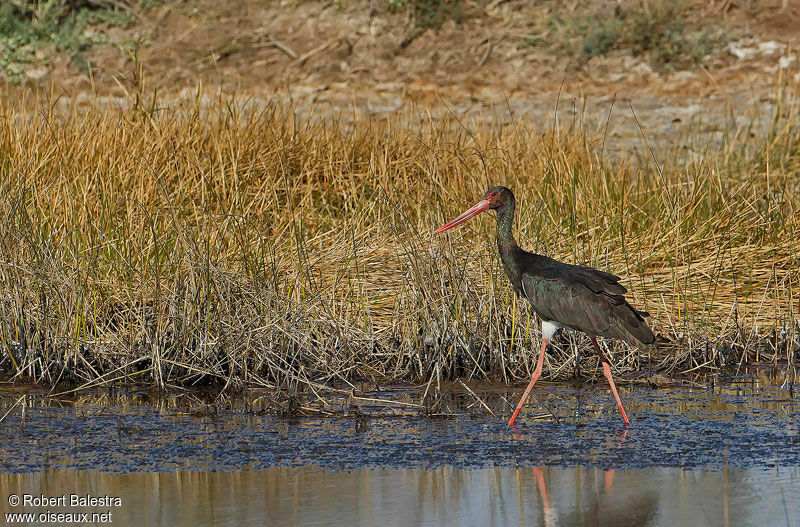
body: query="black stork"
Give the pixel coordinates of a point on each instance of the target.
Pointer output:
(578, 297)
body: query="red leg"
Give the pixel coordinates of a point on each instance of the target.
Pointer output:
(536, 374)
(607, 373)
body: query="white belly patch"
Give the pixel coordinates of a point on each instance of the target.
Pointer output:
(549, 329)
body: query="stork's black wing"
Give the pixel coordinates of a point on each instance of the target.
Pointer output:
(584, 299)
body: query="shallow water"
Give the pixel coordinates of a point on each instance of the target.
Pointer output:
(442, 496)
(712, 454)
(746, 424)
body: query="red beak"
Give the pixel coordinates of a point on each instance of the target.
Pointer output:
(476, 209)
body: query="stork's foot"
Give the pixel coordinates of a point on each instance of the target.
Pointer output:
(535, 377)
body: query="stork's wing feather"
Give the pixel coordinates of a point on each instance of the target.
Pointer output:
(595, 279)
(587, 300)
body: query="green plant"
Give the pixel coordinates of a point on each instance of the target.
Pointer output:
(431, 14)
(28, 30)
(662, 30)
(602, 37)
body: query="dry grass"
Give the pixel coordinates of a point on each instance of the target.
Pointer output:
(210, 244)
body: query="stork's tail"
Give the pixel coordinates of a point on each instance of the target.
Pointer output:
(633, 328)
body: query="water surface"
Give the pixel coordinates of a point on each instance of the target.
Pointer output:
(746, 424)
(441, 496)
(704, 454)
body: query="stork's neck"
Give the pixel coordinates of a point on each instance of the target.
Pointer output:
(505, 217)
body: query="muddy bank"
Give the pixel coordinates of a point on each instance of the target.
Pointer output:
(737, 424)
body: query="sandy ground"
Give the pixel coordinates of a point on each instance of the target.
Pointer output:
(361, 59)
(363, 52)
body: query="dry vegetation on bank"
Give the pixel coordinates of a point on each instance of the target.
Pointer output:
(235, 247)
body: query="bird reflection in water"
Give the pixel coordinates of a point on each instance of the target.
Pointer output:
(606, 508)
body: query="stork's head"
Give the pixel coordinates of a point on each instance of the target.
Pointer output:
(494, 198)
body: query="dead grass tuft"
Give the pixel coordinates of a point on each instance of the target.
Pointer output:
(237, 245)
